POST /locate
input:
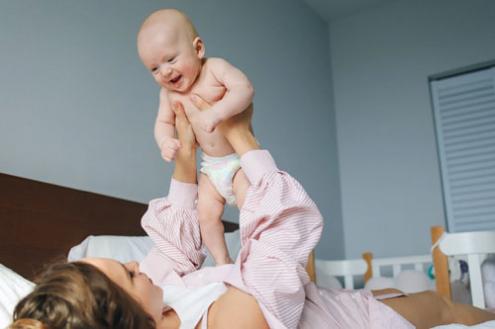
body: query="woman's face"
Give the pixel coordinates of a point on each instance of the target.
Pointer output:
(135, 283)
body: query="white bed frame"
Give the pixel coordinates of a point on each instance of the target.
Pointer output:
(472, 246)
(475, 246)
(347, 269)
(350, 269)
(398, 264)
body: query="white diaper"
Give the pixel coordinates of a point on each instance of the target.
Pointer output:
(221, 171)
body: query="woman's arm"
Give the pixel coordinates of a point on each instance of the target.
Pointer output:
(165, 128)
(172, 222)
(280, 225)
(185, 161)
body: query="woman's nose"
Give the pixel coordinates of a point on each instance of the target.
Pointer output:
(134, 266)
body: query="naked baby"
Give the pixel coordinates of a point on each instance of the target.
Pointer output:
(171, 49)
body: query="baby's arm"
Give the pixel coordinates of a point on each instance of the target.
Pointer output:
(239, 94)
(165, 128)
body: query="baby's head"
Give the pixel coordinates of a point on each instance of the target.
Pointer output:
(171, 49)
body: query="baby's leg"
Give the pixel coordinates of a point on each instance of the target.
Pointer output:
(427, 309)
(240, 184)
(210, 209)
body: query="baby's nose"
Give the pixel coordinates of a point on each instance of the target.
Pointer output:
(166, 70)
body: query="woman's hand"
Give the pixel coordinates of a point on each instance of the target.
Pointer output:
(236, 129)
(185, 133)
(185, 158)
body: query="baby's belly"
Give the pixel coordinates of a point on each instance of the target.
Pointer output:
(214, 143)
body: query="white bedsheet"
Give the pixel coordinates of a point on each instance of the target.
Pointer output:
(485, 325)
(12, 288)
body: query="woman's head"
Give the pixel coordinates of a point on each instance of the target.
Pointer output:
(135, 283)
(79, 295)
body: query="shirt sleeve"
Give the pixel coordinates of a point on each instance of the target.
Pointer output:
(172, 224)
(280, 225)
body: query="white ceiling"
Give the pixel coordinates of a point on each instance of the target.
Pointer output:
(334, 9)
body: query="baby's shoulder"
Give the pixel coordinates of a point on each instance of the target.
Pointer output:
(216, 63)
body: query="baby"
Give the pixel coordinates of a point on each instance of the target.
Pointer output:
(171, 49)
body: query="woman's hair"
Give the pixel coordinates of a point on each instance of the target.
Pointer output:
(76, 296)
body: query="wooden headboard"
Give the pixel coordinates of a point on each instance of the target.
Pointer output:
(40, 222)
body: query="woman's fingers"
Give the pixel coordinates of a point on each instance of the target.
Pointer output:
(180, 116)
(179, 110)
(200, 103)
(183, 126)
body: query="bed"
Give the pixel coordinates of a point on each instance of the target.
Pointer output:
(41, 222)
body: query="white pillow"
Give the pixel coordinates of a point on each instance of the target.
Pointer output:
(408, 281)
(13, 287)
(134, 248)
(379, 282)
(121, 248)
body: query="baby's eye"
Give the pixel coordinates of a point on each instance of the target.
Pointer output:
(132, 274)
(154, 69)
(171, 60)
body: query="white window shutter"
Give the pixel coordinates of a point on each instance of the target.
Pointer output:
(464, 110)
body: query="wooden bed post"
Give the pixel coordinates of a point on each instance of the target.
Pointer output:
(310, 268)
(368, 258)
(441, 264)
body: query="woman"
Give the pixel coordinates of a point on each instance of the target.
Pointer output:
(267, 287)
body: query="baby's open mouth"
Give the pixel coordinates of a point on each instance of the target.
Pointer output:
(174, 80)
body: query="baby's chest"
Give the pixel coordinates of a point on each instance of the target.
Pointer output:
(208, 88)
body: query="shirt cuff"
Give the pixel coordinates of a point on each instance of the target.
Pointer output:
(182, 195)
(256, 164)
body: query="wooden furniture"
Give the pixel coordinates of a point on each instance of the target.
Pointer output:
(474, 246)
(311, 267)
(441, 265)
(40, 222)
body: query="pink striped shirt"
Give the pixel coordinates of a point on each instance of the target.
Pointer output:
(279, 226)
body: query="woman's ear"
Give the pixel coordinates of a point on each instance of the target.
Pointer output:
(199, 46)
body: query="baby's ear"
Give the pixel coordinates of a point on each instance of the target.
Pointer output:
(199, 46)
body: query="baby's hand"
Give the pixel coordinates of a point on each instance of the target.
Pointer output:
(208, 120)
(168, 148)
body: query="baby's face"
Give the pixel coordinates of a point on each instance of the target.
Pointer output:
(171, 56)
